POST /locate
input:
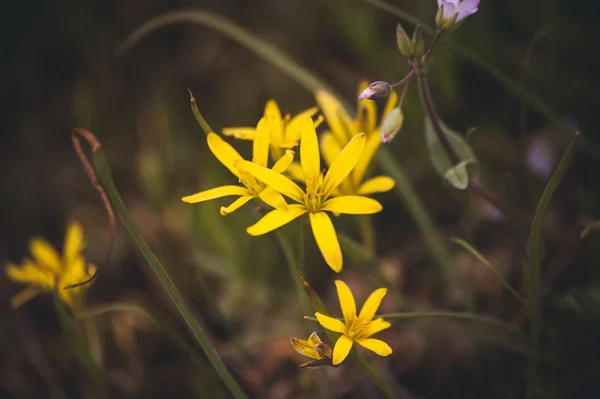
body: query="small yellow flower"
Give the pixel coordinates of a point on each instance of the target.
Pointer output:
(342, 129)
(356, 329)
(313, 348)
(250, 187)
(48, 270)
(285, 132)
(315, 200)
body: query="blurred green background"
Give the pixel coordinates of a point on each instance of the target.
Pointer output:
(59, 71)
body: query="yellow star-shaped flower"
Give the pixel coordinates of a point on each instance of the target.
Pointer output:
(355, 328)
(285, 131)
(48, 270)
(249, 187)
(315, 198)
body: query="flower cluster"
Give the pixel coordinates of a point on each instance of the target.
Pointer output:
(48, 270)
(348, 149)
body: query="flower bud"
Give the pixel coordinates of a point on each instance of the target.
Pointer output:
(418, 43)
(375, 90)
(403, 41)
(444, 19)
(391, 125)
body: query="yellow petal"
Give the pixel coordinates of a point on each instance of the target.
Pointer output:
(276, 180)
(346, 301)
(293, 130)
(341, 349)
(23, 296)
(330, 323)
(224, 152)
(31, 273)
(376, 326)
(260, 145)
(390, 104)
(242, 133)
(310, 157)
(217, 192)
(273, 199)
(371, 305)
(371, 145)
(275, 219)
(305, 348)
(327, 241)
(294, 171)
(45, 255)
(282, 163)
(376, 345)
(330, 148)
(352, 205)
(343, 164)
(273, 115)
(379, 184)
(73, 241)
(235, 205)
(336, 116)
(314, 339)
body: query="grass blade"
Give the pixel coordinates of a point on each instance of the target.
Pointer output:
(263, 49)
(534, 247)
(78, 345)
(210, 352)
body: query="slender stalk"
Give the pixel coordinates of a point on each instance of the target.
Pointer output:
(375, 378)
(419, 214)
(365, 223)
(199, 118)
(442, 314)
(90, 314)
(489, 265)
(429, 108)
(288, 252)
(210, 352)
(77, 343)
(363, 257)
(534, 246)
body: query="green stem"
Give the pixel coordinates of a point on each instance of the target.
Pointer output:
(77, 343)
(199, 118)
(417, 211)
(90, 314)
(375, 378)
(365, 223)
(288, 252)
(534, 247)
(445, 314)
(489, 265)
(210, 352)
(361, 256)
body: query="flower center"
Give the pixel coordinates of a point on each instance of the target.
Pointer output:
(357, 329)
(255, 186)
(313, 199)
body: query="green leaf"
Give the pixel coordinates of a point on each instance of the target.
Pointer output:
(456, 175)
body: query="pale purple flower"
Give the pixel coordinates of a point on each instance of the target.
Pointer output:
(461, 8)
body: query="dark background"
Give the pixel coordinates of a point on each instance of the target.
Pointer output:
(59, 70)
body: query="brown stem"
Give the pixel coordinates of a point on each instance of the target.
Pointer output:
(91, 174)
(429, 107)
(406, 78)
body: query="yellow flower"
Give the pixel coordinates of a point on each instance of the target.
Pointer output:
(285, 132)
(315, 199)
(342, 129)
(250, 187)
(356, 329)
(313, 348)
(48, 270)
